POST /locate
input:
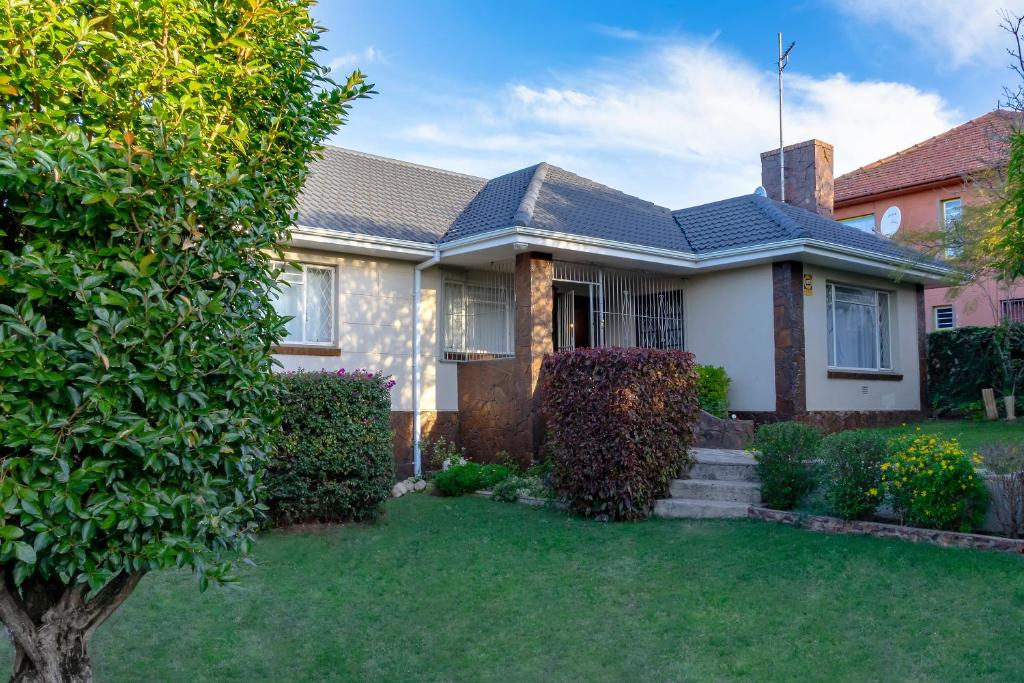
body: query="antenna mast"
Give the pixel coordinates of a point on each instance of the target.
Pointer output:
(783, 61)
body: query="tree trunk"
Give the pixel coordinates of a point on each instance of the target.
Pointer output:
(51, 625)
(64, 660)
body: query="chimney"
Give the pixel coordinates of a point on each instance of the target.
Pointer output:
(808, 176)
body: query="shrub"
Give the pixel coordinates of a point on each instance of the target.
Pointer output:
(784, 454)
(932, 483)
(332, 459)
(713, 389)
(519, 486)
(620, 422)
(851, 471)
(440, 453)
(459, 480)
(964, 361)
(1005, 464)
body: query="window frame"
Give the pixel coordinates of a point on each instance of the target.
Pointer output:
(334, 300)
(952, 251)
(1006, 305)
(466, 281)
(830, 323)
(851, 222)
(952, 317)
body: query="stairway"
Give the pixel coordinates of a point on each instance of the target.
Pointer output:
(720, 483)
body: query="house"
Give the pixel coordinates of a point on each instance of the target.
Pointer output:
(458, 286)
(921, 190)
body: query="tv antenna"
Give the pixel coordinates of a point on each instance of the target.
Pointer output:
(783, 62)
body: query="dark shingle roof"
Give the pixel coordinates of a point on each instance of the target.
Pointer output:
(365, 194)
(970, 147)
(751, 220)
(547, 197)
(358, 193)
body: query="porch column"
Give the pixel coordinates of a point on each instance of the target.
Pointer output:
(790, 385)
(534, 332)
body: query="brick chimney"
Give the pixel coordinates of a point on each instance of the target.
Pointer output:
(808, 176)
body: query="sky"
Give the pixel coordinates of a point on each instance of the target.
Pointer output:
(669, 101)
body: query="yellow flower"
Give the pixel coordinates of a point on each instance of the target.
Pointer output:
(885, 466)
(872, 492)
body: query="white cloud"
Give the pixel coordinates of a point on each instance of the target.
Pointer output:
(954, 31)
(354, 60)
(617, 32)
(679, 126)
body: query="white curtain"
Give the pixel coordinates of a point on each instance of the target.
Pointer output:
(856, 335)
(288, 301)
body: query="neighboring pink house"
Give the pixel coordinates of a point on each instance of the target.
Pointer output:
(924, 187)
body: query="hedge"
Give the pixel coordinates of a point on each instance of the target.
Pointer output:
(620, 423)
(964, 361)
(713, 390)
(332, 458)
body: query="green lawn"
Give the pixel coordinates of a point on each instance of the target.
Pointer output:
(972, 434)
(473, 590)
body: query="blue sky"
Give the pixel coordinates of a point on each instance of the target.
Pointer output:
(669, 101)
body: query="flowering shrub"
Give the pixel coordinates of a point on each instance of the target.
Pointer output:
(332, 459)
(851, 471)
(932, 483)
(784, 451)
(620, 422)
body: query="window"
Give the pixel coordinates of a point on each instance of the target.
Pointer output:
(858, 328)
(1013, 310)
(944, 319)
(952, 212)
(865, 223)
(479, 313)
(308, 297)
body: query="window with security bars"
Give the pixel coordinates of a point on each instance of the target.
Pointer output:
(1013, 310)
(944, 318)
(307, 297)
(858, 328)
(479, 310)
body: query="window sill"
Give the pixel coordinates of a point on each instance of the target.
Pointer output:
(302, 350)
(881, 375)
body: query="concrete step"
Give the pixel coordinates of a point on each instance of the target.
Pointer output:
(717, 490)
(680, 508)
(724, 472)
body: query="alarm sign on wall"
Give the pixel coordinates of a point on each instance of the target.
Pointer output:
(890, 222)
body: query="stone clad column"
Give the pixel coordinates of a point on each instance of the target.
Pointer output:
(534, 326)
(790, 386)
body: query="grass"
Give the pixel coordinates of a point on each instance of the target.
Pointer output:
(473, 590)
(971, 434)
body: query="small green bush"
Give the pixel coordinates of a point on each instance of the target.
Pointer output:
(332, 459)
(518, 486)
(851, 471)
(713, 390)
(932, 483)
(459, 480)
(784, 451)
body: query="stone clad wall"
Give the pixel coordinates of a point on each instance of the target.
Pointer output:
(487, 407)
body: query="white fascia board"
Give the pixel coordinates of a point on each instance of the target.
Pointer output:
(545, 239)
(331, 240)
(711, 260)
(350, 243)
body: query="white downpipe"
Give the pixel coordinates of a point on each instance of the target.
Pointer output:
(417, 280)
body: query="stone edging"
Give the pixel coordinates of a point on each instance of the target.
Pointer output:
(948, 539)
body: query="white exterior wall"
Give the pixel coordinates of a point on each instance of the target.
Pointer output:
(730, 322)
(848, 394)
(374, 327)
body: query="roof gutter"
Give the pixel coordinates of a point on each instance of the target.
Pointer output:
(416, 364)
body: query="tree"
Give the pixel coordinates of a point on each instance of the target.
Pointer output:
(151, 152)
(1009, 242)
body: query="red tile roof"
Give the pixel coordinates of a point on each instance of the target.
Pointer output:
(972, 146)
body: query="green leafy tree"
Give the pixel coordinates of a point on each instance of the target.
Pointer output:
(150, 155)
